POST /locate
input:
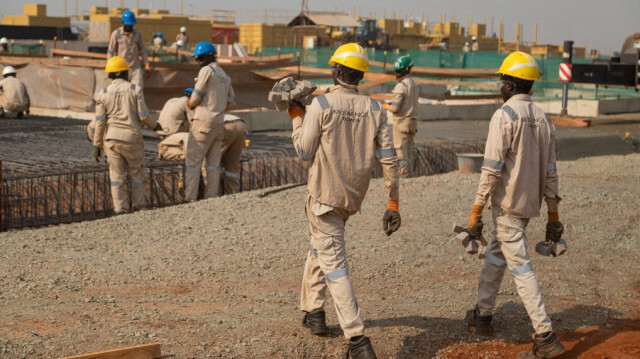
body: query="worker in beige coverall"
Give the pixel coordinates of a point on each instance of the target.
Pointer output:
(518, 172)
(13, 94)
(211, 95)
(235, 132)
(127, 43)
(120, 112)
(404, 110)
(342, 134)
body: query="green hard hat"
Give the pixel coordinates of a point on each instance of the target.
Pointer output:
(403, 63)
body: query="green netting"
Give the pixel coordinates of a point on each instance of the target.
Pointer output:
(27, 49)
(548, 87)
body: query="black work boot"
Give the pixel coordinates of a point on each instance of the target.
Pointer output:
(477, 324)
(316, 322)
(545, 345)
(360, 349)
(20, 115)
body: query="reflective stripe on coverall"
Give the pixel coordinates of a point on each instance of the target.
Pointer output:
(519, 169)
(344, 133)
(121, 111)
(130, 46)
(211, 94)
(13, 95)
(404, 109)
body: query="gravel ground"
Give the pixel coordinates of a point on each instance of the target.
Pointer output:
(220, 278)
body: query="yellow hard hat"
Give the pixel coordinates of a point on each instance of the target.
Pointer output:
(520, 65)
(116, 64)
(352, 56)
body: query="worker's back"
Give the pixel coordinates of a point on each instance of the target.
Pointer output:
(123, 105)
(174, 116)
(410, 93)
(14, 94)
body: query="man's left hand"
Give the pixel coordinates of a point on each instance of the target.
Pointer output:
(147, 71)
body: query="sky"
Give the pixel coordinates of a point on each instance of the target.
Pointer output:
(599, 24)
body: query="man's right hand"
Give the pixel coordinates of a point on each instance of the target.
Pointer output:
(295, 110)
(554, 227)
(391, 220)
(475, 222)
(97, 152)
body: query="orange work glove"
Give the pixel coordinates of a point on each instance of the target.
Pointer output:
(295, 111)
(391, 220)
(190, 105)
(385, 106)
(554, 227)
(475, 221)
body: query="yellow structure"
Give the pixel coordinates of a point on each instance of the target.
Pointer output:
(546, 50)
(103, 21)
(255, 36)
(35, 15)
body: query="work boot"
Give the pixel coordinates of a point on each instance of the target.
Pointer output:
(20, 115)
(360, 349)
(316, 322)
(545, 345)
(481, 324)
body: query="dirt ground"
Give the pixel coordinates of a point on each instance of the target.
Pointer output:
(221, 278)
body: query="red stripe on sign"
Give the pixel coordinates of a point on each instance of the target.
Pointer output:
(564, 72)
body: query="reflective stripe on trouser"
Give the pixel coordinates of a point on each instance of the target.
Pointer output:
(329, 270)
(126, 159)
(234, 135)
(508, 250)
(203, 147)
(404, 130)
(136, 76)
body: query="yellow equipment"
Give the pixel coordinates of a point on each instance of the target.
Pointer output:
(352, 56)
(520, 65)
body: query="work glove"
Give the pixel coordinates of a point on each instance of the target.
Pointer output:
(475, 222)
(158, 127)
(97, 152)
(295, 109)
(190, 105)
(554, 227)
(385, 106)
(147, 71)
(391, 220)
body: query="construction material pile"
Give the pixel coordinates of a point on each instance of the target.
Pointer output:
(288, 91)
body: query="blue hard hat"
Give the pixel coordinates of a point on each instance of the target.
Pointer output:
(204, 47)
(128, 18)
(160, 34)
(188, 91)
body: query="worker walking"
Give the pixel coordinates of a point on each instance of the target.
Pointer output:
(127, 42)
(342, 133)
(211, 95)
(235, 132)
(13, 94)
(182, 36)
(404, 111)
(518, 172)
(120, 112)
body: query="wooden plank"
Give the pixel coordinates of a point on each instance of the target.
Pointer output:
(566, 121)
(91, 55)
(144, 351)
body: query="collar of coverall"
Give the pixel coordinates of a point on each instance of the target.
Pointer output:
(519, 97)
(345, 88)
(400, 79)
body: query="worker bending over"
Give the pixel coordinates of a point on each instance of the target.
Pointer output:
(342, 134)
(127, 43)
(235, 132)
(211, 95)
(13, 94)
(404, 110)
(120, 112)
(518, 172)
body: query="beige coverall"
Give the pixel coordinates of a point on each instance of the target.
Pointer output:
(185, 39)
(235, 132)
(130, 46)
(518, 171)
(121, 111)
(211, 95)
(404, 110)
(343, 133)
(13, 95)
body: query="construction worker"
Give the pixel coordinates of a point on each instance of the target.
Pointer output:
(159, 41)
(174, 119)
(13, 94)
(404, 111)
(235, 132)
(211, 95)
(342, 133)
(127, 43)
(120, 112)
(182, 36)
(518, 172)
(4, 45)
(466, 47)
(474, 44)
